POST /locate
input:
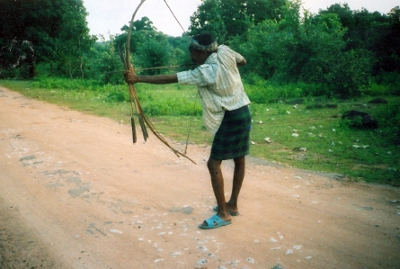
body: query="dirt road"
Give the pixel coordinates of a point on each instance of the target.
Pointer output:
(75, 193)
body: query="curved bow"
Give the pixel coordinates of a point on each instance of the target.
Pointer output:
(143, 119)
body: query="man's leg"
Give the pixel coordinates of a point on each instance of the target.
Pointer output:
(238, 178)
(217, 181)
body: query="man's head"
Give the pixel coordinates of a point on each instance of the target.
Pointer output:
(201, 46)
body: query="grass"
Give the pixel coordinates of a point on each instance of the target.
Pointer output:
(312, 139)
(317, 139)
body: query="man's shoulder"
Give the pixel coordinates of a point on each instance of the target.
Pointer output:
(224, 49)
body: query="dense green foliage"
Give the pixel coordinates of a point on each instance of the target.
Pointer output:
(229, 18)
(44, 31)
(314, 49)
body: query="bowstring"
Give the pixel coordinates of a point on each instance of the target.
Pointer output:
(197, 95)
(173, 14)
(191, 122)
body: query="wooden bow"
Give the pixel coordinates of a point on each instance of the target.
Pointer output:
(143, 119)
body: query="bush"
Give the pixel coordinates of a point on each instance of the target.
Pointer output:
(261, 91)
(389, 121)
(9, 73)
(65, 84)
(376, 90)
(352, 72)
(171, 107)
(116, 95)
(390, 80)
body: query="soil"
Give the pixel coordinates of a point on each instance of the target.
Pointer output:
(76, 193)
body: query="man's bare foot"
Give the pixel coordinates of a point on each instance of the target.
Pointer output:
(232, 210)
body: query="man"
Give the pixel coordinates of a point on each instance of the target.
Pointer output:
(225, 114)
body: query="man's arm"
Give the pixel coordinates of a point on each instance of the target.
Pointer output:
(131, 78)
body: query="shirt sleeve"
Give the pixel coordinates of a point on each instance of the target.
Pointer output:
(239, 58)
(184, 78)
(201, 76)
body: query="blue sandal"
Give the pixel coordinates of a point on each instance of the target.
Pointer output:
(234, 214)
(214, 222)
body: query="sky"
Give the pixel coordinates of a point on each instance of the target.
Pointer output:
(106, 17)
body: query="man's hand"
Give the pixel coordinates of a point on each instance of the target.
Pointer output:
(130, 77)
(242, 63)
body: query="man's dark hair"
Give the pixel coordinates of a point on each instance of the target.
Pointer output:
(204, 39)
(203, 42)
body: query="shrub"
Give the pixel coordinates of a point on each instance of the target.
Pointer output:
(116, 95)
(262, 91)
(376, 90)
(389, 121)
(391, 80)
(65, 84)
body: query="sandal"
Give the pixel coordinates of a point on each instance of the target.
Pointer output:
(214, 222)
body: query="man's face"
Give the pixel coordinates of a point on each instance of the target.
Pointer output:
(198, 57)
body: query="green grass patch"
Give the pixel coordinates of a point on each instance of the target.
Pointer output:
(315, 139)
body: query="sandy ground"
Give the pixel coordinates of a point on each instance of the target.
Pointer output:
(75, 193)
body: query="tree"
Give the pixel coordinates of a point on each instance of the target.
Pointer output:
(273, 46)
(320, 44)
(363, 28)
(153, 53)
(235, 16)
(104, 63)
(180, 53)
(143, 24)
(208, 18)
(226, 19)
(56, 29)
(352, 70)
(306, 48)
(141, 29)
(149, 47)
(14, 54)
(264, 49)
(387, 48)
(73, 40)
(369, 32)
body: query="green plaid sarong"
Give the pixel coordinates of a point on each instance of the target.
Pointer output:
(232, 139)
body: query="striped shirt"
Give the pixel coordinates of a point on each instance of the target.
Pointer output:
(219, 84)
